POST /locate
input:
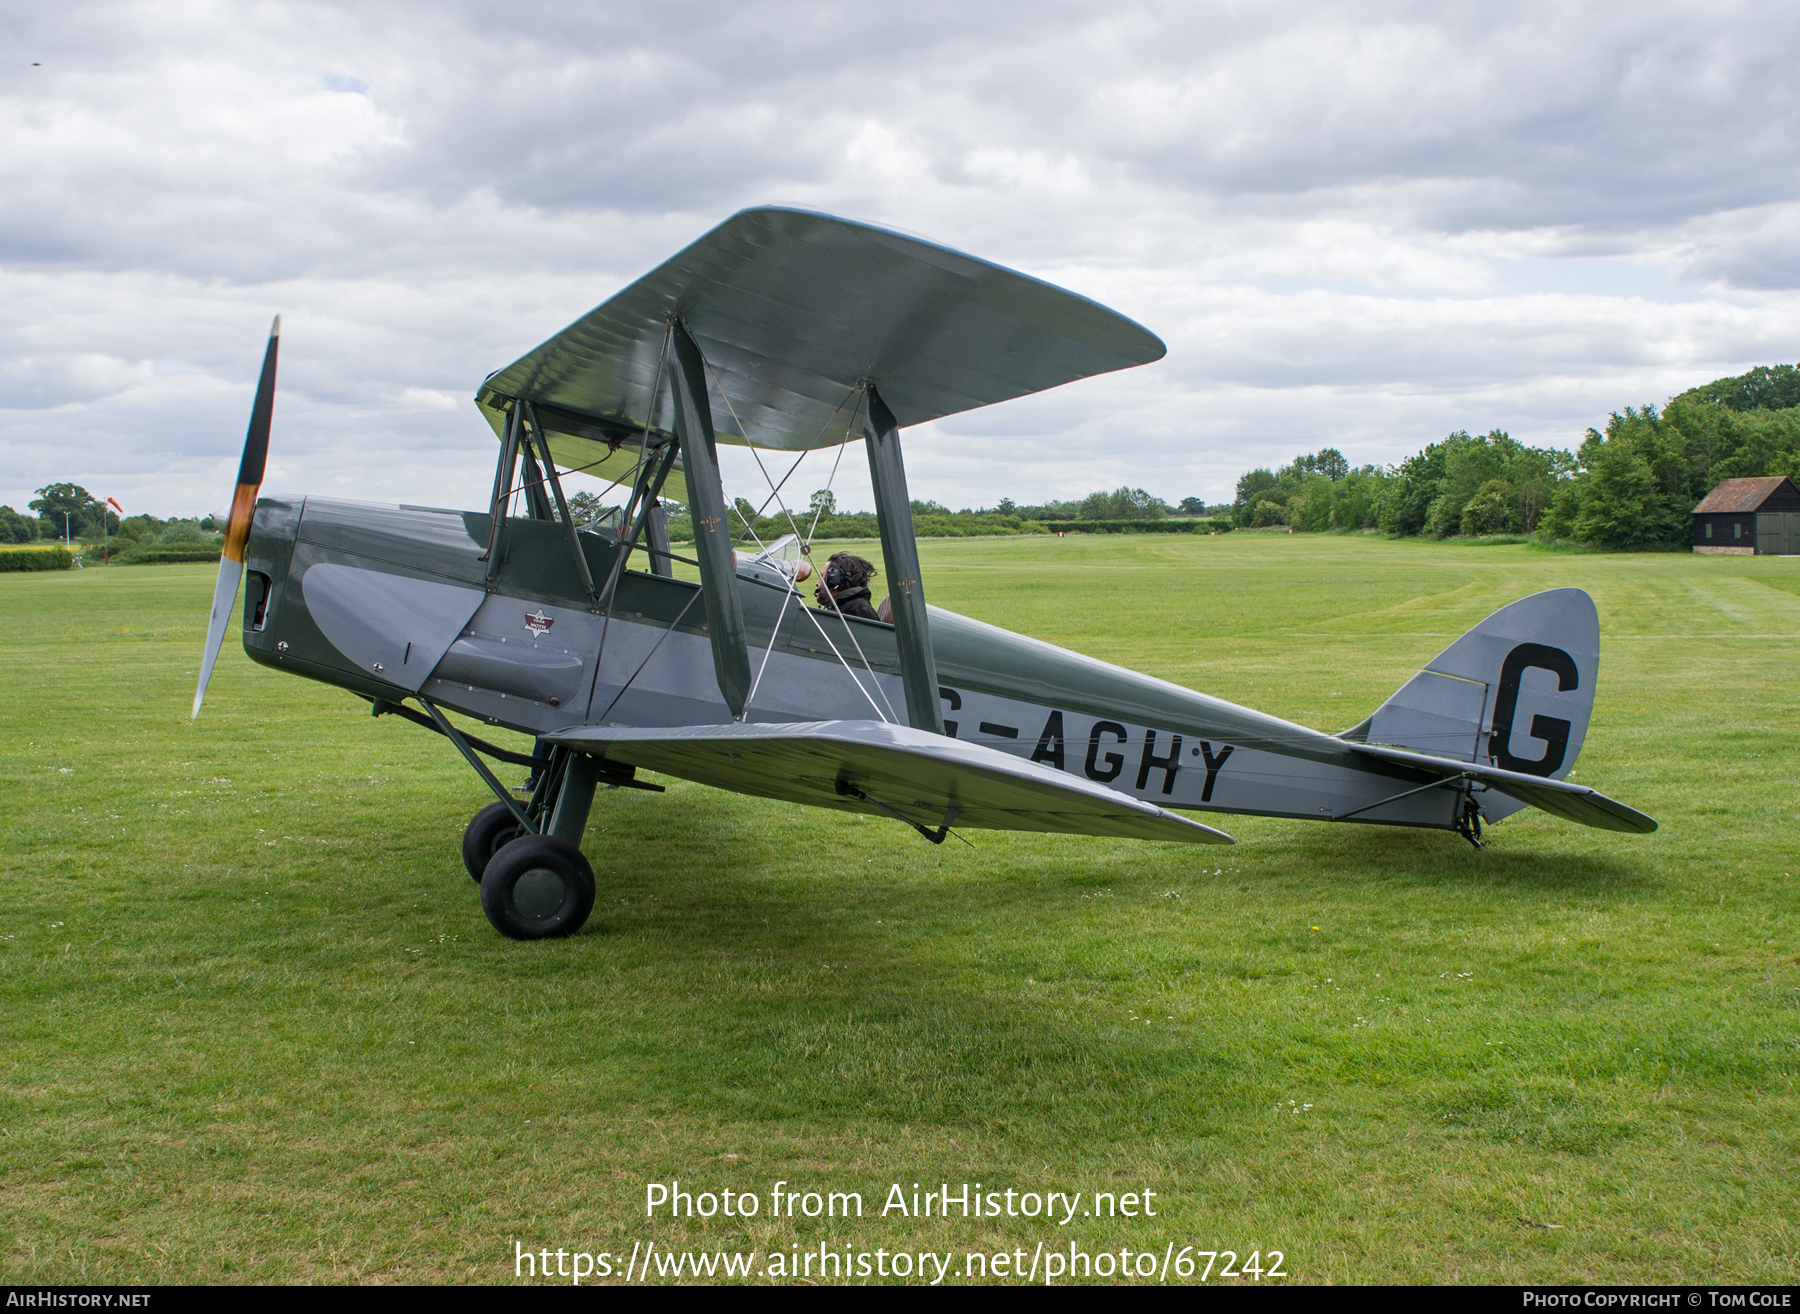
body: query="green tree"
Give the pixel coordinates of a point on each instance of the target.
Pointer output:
(1433, 489)
(823, 503)
(1315, 492)
(15, 528)
(1123, 504)
(1253, 482)
(1635, 487)
(178, 531)
(1357, 498)
(1494, 509)
(584, 507)
(1250, 488)
(136, 529)
(1467, 466)
(1331, 463)
(1767, 387)
(1309, 508)
(1535, 473)
(83, 510)
(1622, 504)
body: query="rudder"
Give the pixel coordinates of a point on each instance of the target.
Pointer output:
(1515, 692)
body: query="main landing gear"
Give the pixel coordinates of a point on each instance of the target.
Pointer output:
(493, 828)
(535, 885)
(543, 888)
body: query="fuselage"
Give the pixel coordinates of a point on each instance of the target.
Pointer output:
(392, 602)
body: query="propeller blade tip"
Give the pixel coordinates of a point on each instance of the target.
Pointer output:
(275, 328)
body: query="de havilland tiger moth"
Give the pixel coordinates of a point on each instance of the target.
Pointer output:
(788, 331)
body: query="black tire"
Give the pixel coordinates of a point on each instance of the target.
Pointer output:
(493, 828)
(537, 887)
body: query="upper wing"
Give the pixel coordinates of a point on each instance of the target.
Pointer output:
(1559, 797)
(792, 308)
(874, 767)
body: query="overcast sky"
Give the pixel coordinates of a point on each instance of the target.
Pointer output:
(1355, 225)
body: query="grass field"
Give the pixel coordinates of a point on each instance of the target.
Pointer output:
(257, 1029)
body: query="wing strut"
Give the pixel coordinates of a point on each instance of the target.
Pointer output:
(712, 535)
(503, 474)
(562, 505)
(656, 534)
(900, 556)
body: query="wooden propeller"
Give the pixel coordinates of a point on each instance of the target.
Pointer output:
(243, 509)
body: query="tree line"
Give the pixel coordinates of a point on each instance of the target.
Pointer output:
(1634, 485)
(69, 509)
(822, 517)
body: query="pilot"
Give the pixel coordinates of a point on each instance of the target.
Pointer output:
(844, 587)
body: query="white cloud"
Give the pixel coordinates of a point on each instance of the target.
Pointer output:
(1359, 224)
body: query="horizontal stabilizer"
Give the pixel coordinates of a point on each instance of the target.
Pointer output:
(887, 770)
(1571, 802)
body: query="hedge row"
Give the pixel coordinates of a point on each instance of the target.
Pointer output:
(36, 558)
(159, 555)
(1217, 525)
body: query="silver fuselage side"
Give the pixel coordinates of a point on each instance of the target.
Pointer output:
(392, 602)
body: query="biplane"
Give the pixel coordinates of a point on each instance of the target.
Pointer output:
(789, 332)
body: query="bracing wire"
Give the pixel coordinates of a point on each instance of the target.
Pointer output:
(643, 447)
(744, 433)
(647, 656)
(771, 497)
(612, 583)
(806, 550)
(774, 636)
(849, 669)
(808, 451)
(580, 469)
(831, 481)
(848, 628)
(789, 515)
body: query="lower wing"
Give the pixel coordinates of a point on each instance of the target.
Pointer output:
(924, 779)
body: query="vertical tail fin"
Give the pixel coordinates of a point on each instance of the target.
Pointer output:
(1515, 692)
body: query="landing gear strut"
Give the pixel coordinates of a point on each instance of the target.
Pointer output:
(535, 884)
(545, 887)
(527, 857)
(1468, 821)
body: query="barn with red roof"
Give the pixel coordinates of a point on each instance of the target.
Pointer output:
(1746, 516)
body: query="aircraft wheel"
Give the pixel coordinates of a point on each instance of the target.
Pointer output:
(537, 887)
(493, 828)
